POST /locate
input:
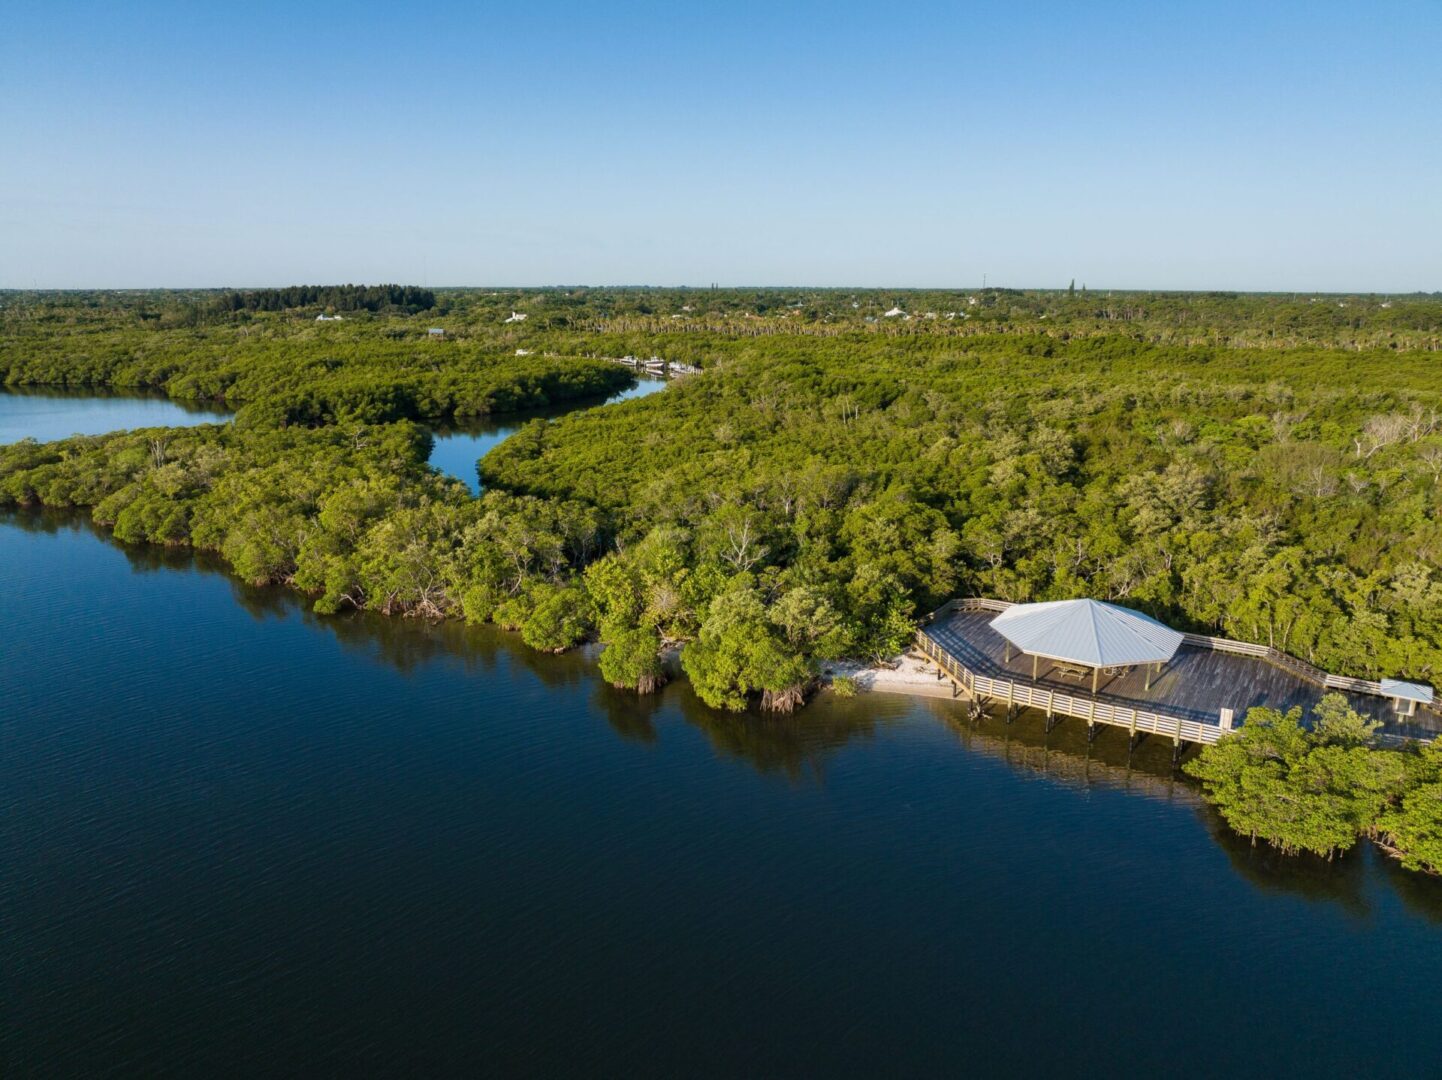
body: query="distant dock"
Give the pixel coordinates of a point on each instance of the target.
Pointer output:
(656, 366)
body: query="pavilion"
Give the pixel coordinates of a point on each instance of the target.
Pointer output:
(1087, 634)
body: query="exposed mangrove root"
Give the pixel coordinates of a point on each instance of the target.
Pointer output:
(645, 684)
(787, 700)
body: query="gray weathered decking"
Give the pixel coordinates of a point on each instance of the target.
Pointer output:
(1197, 684)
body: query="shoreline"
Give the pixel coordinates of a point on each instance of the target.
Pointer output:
(907, 674)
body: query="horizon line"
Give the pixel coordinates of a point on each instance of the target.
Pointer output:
(729, 287)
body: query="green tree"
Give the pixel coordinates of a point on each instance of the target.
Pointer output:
(632, 658)
(1411, 828)
(1336, 723)
(810, 622)
(560, 617)
(1318, 792)
(739, 652)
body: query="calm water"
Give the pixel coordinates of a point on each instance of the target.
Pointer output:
(457, 449)
(50, 414)
(237, 837)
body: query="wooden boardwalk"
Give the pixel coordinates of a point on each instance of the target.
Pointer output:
(1184, 703)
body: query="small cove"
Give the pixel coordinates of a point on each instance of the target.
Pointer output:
(459, 446)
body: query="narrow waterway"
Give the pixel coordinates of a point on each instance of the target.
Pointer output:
(458, 447)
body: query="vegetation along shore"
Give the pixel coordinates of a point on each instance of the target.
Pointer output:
(1268, 467)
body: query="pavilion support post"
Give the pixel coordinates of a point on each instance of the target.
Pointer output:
(1006, 653)
(1034, 660)
(1095, 673)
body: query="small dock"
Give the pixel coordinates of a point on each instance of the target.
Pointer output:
(656, 366)
(1197, 698)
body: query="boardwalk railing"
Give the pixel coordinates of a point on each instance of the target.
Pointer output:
(1266, 653)
(1287, 662)
(1025, 693)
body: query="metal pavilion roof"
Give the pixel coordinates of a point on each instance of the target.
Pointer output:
(1407, 691)
(1087, 632)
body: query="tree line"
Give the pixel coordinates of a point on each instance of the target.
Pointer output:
(803, 499)
(1321, 787)
(407, 298)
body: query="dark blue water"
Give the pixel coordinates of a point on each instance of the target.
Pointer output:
(457, 448)
(47, 415)
(239, 838)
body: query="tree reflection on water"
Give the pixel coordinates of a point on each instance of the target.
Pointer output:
(798, 746)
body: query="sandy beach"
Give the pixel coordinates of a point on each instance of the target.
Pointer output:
(906, 674)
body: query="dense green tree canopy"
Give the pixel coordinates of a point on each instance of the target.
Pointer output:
(1267, 467)
(332, 297)
(1315, 790)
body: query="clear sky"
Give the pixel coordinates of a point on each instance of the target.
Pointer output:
(1150, 144)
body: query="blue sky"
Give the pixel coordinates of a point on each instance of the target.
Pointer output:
(1160, 145)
